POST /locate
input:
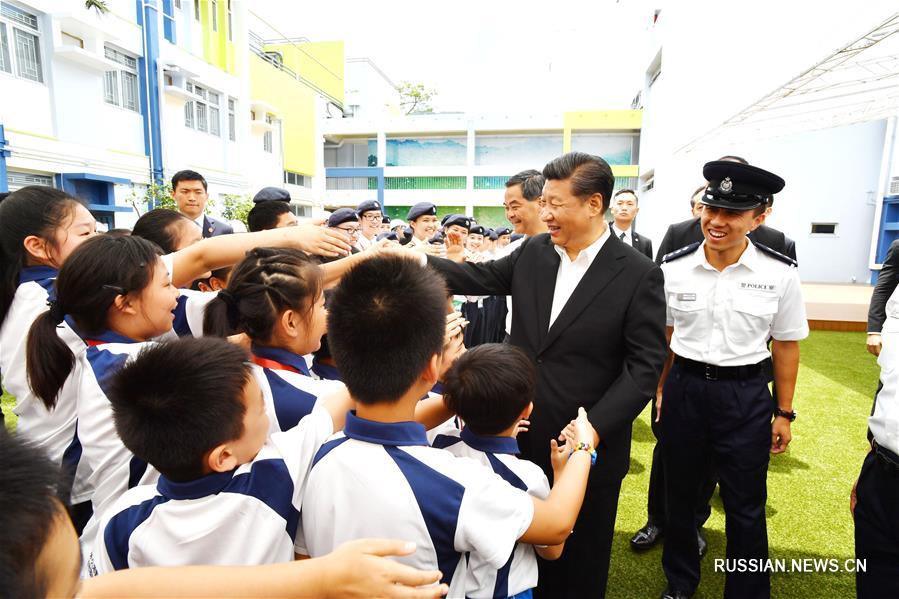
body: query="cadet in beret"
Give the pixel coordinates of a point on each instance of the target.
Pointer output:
(422, 219)
(726, 295)
(370, 217)
(346, 221)
(457, 223)
(270, 214)
(504, 237)
(385, 224)
(271, 193)
(475, 238)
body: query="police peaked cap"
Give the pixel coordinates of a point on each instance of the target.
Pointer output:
(342, 215)
(421, 209)
(737, 186)
(459, 220)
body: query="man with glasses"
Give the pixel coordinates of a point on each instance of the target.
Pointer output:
(370, 218)
(346, 221)
(189, 190)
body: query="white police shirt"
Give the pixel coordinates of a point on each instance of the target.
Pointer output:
(884, 422)
(51, 430)
(247, 516)
(382, 480)
(725, 318)
(519, 573)
(288, 389)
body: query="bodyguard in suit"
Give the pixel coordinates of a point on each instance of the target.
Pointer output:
(886, 284)
(625, 207)
(590, 313)
(189, 190)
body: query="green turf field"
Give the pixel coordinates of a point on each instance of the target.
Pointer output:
(808, 487)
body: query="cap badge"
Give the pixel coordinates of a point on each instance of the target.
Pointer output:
(726, 186)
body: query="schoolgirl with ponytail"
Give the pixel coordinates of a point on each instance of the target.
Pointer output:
(274, 296)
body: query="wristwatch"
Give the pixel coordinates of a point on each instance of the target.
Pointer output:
(791, 415)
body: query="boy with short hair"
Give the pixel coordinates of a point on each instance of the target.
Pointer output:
(491, 389)
(380, 474)
(228, 492)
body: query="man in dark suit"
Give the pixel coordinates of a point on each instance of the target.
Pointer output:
(625, 207)
(189, 190)
(886, 284)
(590, 313)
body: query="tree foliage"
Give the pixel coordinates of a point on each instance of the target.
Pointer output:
(415, 98)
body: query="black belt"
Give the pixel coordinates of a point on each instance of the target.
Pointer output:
(886, 456)
(710, 372)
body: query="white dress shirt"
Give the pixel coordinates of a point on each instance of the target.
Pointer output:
(725, 318)
(884, 423)
(571, 272)
(628, 235)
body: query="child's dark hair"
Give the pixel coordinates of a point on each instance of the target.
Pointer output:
(158, 226)
(33, 210)
(489, 386)
(387, 319)
(29, 505)
(97, 271)
(264, 284)
(173, 421)
(265, 215)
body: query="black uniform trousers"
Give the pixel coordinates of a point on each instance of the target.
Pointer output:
(591, 541)
(877, 528)
(729, 420)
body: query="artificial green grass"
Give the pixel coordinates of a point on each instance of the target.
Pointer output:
(808, 487)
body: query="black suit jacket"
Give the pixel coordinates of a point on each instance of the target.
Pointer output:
(212, 227)
(642, 244)
(886, 283)
(604, 351)
(684, 233)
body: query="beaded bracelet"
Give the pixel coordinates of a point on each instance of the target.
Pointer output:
(588, 448)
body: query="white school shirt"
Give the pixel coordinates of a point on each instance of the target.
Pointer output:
(289, 391)
(571, 272)
(726, 318)
(884, 422)
(382, 480)
(247, 516)
(51, 430)
(519, 573)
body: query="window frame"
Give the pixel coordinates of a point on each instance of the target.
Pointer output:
(18, 25)
(203, 113)
(125, 79)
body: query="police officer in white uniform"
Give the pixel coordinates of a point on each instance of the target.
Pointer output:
(726, 296)
(877, 490)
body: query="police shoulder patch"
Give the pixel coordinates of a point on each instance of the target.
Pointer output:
(684, 251)
(776, 255)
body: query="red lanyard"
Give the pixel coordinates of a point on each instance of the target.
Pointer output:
(266, 363)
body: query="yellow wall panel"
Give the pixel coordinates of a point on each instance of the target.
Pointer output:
(320, 63)
(604, 119)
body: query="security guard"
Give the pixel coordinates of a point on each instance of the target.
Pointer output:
(726, 296)
(876, 512)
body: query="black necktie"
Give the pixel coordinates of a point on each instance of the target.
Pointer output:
(621, 237)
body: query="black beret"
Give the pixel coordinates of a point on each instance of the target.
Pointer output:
(391, 235)
(342, 215)
(492, 235)
(367, 206)
(385, 220)
(503, 231)
(271, 193)
(421, 209)
(737, 186)
(459, 220)
(437, 238)
(516, 236)
(476, 230)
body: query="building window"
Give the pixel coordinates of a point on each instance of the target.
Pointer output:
(214, 116)
(215, 16)
(824, 228)
(267, 136)
(178, 4)
(297, 179)
(120, 86)
(230, 23)
(189, 114)
(19, 29)
(232, 121)
(197, 10)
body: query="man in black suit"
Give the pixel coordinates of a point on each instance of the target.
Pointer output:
(625, 207)
(886, 284)
(189, 190)
(590, 313)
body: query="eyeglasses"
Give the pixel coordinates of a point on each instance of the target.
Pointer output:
(372, 218)
(349, 230)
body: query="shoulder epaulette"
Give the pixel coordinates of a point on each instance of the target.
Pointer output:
(684, 251)
(776, 255)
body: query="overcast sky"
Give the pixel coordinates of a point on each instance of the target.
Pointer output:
(487, 55)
